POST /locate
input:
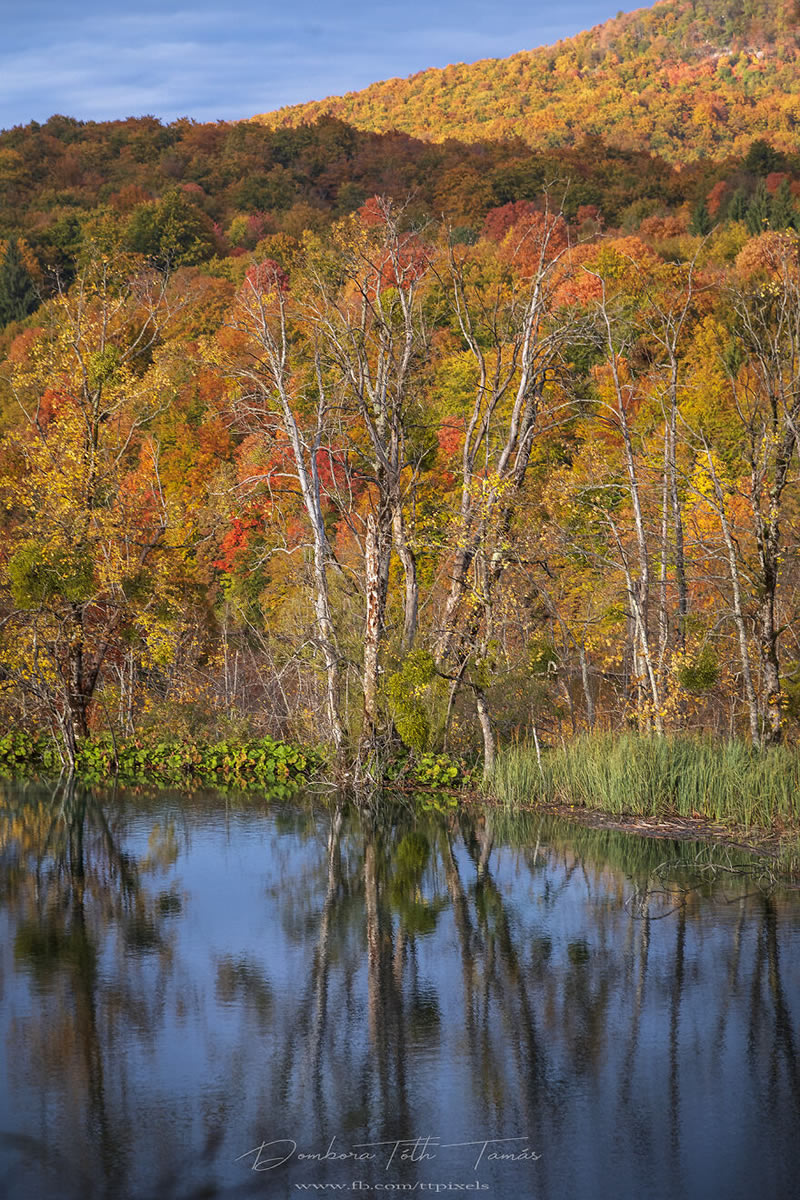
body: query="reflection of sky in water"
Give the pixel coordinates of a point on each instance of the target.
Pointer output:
(274, 981)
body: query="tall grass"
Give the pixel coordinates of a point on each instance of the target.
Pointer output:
(729, 782)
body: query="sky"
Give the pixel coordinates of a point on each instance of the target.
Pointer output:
(211, 61)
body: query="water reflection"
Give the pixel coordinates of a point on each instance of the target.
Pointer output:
(185, 980)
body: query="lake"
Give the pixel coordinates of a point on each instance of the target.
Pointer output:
(212, 996)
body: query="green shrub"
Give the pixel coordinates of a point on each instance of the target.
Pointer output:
(408, 692)
(700, 673)
(263, 762)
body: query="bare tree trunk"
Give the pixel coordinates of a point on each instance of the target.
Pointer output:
(372, 632)
(585, 683)
(770, 670)
(677, 518)
(77, 687)
(489, 744)
(639, 588)
(411, 597)
(738, 610)
(663, 614)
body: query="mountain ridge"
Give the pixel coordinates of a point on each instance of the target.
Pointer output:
(686, 80)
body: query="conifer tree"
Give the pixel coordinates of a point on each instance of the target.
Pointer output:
(758, 210)
(782, 210)
(738, 205)
(700, 222)
(18, 296)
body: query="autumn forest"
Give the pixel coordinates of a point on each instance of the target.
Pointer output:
(367, 439)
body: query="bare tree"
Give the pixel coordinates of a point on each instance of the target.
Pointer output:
(276, 395)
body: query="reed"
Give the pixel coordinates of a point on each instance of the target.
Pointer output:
(729, 782)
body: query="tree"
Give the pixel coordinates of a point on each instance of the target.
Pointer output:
(18, 296)
(748, 453)
(171, 232)
(281, 397)
(369, 324)
(782, 208)
(88, 511)
(737, 209)
(700, 223)
(758, 209)
(503, 308)
(766, 389)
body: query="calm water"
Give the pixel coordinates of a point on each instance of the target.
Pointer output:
(205, 998)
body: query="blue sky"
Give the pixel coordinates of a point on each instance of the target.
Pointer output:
(210, 61)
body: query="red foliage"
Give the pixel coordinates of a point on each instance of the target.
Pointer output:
(372, 212)
(267, 278)
(129, 197)
(51, 404)
(716, 196)
(450, 437)
(258, 226)
(296, 533)
(661, 228)
(769, 253)
(774, 180)
(331, 468)
(499, 220)
(234, 541)
(20, 349)
(588, 212)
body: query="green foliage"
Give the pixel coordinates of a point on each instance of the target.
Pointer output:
(434, 771)
(761, 158)
(431, 774)
(276, 767)
(38, 574)
(18, 296)
(757, 218)
(263, 763)
(172, 232)
(737, 209)
(700, 221)
(700, 673)
(729, 782)
(542, 657)
(782, 208)
(20, 750)
(408, 692)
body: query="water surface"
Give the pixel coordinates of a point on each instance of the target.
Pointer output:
(209, 997)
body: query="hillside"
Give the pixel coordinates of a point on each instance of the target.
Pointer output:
(684, 79)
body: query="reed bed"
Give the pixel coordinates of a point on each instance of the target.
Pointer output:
(728, 782)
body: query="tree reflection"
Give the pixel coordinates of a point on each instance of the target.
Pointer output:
(407, 974)
(68, 884)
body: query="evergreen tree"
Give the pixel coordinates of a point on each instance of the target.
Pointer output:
(737, 209)
(18, 296)
(758, 209)
(700, 222)
(782, 210)
(761, 158)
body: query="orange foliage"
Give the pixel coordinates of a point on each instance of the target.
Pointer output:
(768, 253)
(534, 240)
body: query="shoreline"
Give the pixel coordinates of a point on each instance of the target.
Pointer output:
(763, 843)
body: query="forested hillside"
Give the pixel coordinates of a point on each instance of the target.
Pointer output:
(685, 78)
